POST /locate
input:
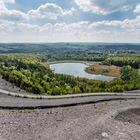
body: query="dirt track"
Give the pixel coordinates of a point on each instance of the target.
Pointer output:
(9, 87)
(103, 121)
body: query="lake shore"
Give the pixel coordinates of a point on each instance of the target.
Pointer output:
(78, 69)
(104, 70)
(73, 61)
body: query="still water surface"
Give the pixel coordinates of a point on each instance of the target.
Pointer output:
(77, 70)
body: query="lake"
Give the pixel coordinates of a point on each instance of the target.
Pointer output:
(77, 70)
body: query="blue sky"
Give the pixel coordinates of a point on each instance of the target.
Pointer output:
(70, 21)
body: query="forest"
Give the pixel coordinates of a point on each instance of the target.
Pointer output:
(132, 60)
(72, 51)
(32, 73)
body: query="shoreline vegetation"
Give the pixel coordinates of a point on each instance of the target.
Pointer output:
(104, 70)
(88, 63)
(30, 73)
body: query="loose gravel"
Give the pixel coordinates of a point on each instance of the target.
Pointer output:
(9, 87)
(114, 120)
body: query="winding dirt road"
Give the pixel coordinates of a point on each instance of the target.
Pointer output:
(37, 119)
(12, 102)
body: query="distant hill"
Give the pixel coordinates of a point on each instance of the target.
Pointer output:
(78, 51)
(44, 48)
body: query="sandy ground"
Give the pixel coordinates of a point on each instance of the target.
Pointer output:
(114, 120)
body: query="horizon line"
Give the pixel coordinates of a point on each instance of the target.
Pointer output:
(42, 42)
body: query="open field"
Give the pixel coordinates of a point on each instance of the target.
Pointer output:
(104, 70)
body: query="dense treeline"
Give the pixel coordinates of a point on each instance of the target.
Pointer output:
(129, 80)
(83, 58)
(30, 73)
(34, 76)
(133, 61)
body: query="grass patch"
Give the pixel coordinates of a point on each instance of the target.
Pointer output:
(104, 70)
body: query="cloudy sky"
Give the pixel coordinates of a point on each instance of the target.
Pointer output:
(70, 21)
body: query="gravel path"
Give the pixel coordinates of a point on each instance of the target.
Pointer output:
(114, 120)
(9, 87)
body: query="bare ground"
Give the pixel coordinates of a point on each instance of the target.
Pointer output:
(115, 120)
(9, 87)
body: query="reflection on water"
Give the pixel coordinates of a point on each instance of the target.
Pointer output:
(77, 70)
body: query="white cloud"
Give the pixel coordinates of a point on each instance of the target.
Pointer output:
(7, 1)
(104, 7)
(137, 9)
(87, 5)
(13, 27)
(12, 15)
(19, 23)
(126, 30)
(7, 14)
(49, 10)
(2, 6)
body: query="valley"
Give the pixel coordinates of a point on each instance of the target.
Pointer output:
(114, 71)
